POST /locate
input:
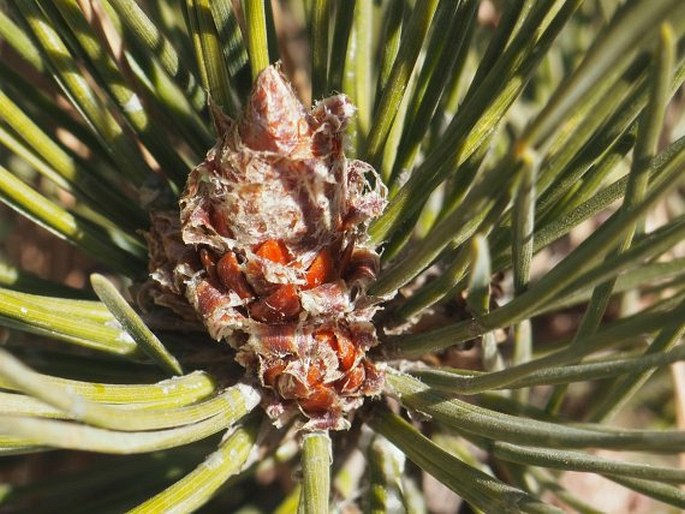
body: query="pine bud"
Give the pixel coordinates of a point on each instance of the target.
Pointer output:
(271, 252)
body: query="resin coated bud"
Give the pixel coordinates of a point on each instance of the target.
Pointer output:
(270, 250)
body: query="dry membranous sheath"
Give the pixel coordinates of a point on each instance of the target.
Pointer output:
(271, 252)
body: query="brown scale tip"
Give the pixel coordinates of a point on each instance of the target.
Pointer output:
(274, 119)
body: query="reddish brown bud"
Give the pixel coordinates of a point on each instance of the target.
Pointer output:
(280, 306)
(272, 371)
(274, 251)
(352, 381)
(230, 275)
(208, 297)
(320, 270)
(322, 399)
(346, 351)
